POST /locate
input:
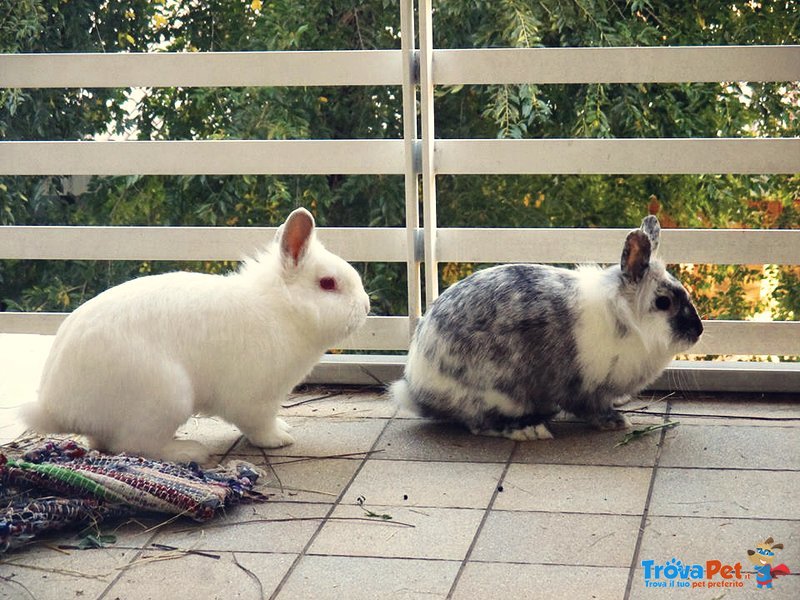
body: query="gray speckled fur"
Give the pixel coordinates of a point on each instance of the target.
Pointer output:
(492, 324)
(505, 349)
(499, 353)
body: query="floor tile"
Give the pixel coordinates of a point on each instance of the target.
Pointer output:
(557, 538)
(726, 493)
(305, 479)
(11, 428)
(523, 582)
(442, 484)
(731, 409)
(322, 437)
(736, 447)
(22, 357)
(696, 540)
(214, 433)
(435, 533)
(193, 576)
(574, 488)
(424, 440)
(46, 574)
(271, 527)
(580, 444)
(335, 578)
(334, 404)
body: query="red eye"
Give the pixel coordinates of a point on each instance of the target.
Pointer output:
(328, 284)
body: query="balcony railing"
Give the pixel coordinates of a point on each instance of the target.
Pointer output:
(419, 156)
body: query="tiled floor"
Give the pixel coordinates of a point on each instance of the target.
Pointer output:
(372, 504)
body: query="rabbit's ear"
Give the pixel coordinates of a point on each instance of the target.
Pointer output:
(652, 229)
(635, 255)
(295, 235)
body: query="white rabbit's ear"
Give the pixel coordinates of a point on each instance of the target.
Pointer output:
(652, 228)
(635, 255)
(295, 235)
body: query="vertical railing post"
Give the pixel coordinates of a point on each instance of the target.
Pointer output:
(428, 172)
(410, 80)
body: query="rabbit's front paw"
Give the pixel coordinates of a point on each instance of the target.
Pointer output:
(621, 401)
(274, 436)
(183, 451)
(610, 421)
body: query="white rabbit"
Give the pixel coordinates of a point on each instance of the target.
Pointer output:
(131, 365)
(505, 349)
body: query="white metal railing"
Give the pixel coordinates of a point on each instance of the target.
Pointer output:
(419, 157)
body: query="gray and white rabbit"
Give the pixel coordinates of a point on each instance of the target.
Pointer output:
(129, 366)
(507, 348)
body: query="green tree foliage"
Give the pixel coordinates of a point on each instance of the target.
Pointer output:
(514, 111)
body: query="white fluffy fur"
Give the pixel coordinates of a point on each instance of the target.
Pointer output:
(604, 356)
(131, 365)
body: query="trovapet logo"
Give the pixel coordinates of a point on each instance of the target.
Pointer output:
(677, 574)
(714, 573)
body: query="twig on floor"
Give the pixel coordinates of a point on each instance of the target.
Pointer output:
(252, 575)
(640, 433)
(298, 519)
(187, 551)
(648, 405)
(153, 559)
(163, 523)
(372, 376)
(360, 501)
(367, 453)
(11, 580)
(67, 572)
(700, 416)
(306, 490)
(309, 400)
(271, 468)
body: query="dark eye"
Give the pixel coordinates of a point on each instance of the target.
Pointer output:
(328, 284)
(663, 303)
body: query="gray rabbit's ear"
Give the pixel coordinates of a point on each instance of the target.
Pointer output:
(295, 235)
(652, 228)
(635, 255)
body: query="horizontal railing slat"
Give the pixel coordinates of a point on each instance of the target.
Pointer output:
(618, 156)
(379, 333)
(383, 67)
(218, 157)
(749, 337)
(392, 333)
(455, 157)
(617, 65)
(562, 245)
(201, 69)
(359, 244)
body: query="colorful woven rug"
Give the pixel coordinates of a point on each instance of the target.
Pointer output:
(61, 484)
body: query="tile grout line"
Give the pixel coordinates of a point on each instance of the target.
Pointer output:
(646, 510)
(127, 567)
(485, 517)
(324, 521)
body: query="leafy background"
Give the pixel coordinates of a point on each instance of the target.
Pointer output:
(515, 111)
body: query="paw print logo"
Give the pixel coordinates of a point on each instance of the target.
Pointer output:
(672, 568)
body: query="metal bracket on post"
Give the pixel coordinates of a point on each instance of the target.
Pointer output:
(428, 167)
(413, 164)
